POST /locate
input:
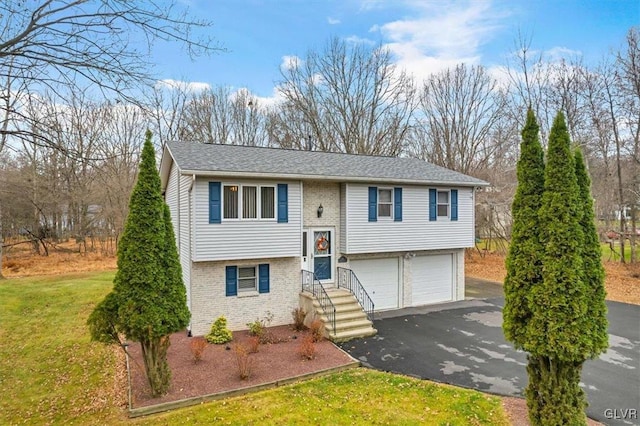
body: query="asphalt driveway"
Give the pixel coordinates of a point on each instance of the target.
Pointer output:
(462, 344)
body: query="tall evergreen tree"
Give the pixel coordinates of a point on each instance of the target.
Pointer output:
(557, 342)
(524, 261)
(593, 269)
(148, 301)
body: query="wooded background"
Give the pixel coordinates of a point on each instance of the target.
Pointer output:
(69, 152)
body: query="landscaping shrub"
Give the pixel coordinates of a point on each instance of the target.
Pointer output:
(219, 333)
(307, 348)
(256, 328)
(253, 344)
(298, 315)
(198, 346)
(243, 361)
(259, 328)
(317, 330)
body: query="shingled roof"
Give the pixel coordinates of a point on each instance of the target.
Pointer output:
(233, 160)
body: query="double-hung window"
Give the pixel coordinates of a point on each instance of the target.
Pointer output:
(385, 202)
(247, 279)
(443, 203)
(249, 202)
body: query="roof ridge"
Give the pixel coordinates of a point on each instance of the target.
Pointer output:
(274, 148)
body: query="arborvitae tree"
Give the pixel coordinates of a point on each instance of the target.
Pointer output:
(148, 301)
(176, 290)
(556, 338)
(524, 261)
(593, 269)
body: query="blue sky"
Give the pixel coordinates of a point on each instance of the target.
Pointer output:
(424, 35)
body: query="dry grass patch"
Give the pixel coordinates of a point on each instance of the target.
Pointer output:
(21, 261)
(622, 280)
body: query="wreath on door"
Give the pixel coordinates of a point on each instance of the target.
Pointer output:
(322, 244)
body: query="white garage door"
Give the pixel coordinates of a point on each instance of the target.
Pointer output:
(379, 277)
(432, 278)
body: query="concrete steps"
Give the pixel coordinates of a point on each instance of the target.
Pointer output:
(351, 321)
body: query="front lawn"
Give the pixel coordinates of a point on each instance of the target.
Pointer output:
(50, 373)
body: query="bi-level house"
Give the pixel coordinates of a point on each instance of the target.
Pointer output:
(263, 230)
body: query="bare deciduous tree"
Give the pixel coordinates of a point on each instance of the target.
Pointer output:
(348, 98)
(58, 46)
(460, 110)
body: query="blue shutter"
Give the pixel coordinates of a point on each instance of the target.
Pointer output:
(283, 203)
(263, 278)
(373, 204)
(214, 202)
(397, 204)
(232, 281)
(454, 204)
(433, 204)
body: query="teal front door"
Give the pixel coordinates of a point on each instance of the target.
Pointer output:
(322, 249)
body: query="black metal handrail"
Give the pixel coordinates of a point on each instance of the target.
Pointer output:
(347, 279)
(313, 285)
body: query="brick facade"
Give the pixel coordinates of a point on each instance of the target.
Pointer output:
(209, 301)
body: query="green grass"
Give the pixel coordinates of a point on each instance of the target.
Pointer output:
(608, 255)
(502, 245)
(50, 373)
(354, 397)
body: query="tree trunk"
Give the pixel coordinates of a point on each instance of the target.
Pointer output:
(634, 230)
(554, 396)
(154, 352)
(1, 243)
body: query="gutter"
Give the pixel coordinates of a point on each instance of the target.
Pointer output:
(348, 179)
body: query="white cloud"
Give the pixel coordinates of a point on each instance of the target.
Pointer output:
(290, 62)
(187, 86)
(333, 21)
(359, 40)
(261, 101)
(557, 53)
(440, 34)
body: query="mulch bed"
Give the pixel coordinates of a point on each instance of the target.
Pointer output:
(218, 371)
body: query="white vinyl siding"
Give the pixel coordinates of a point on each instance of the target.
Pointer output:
(171, 198)
(176, 197)
(245, 239)
(185, 233)
(415, 232)
(343, 216)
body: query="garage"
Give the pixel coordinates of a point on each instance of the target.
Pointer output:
(432, 278)
(380, 278)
